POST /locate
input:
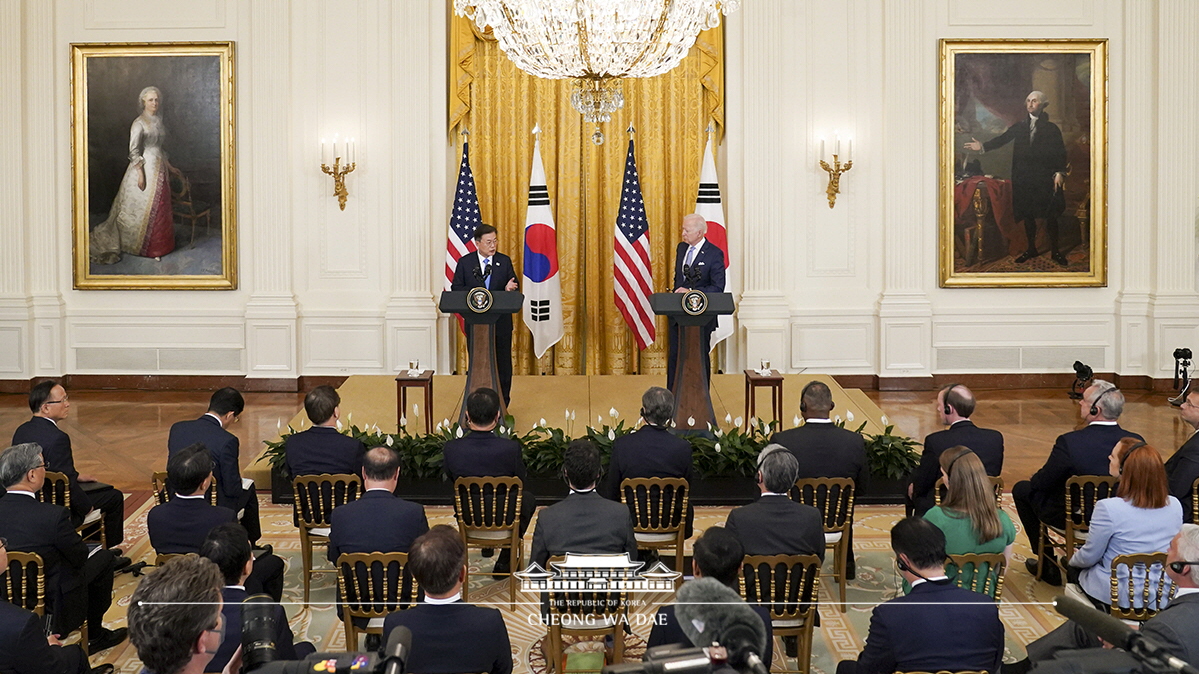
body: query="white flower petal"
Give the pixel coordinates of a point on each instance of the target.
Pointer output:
(691, 421)
(613, 413)
(837, 419)
(567, 413)
(339, 424)
(572, 415)
(445, 422)
(728, 418)
(718, 432)
(541, 422)
(390, 441)
(796, 420)
(599, 419)
(718, 447)
(611, 434)
(279, 425)
(415, 410)
(403, 421)
(849, 415)
(737, 421)
(884, 420)
(459, 431)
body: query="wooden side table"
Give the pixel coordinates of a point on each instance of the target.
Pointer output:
(424, 380)
(772, 381)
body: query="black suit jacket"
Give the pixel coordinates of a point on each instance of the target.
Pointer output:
(934, 627)
(225, 455)
(377, 522)
(824, 450)
(454, 638)
(776, 525)
(33, 526)
(1033, 164)
(984, 442)
(1081, 452)
(56, 450)
(322, 449)
(24, 649)
(180, 525)
(483, 454)
(650, 451)
(666, 631)
(468, 274)
(707, 271)
(583, 523)
(233, 598)
(1183, 469)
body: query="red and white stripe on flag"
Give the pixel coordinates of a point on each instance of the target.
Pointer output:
(633, 281)
(709, 205)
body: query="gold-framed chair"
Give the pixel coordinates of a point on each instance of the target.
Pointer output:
(789, 587)
(370, 585)
(57, 490)
(584, 613)
(1195, 501)
(659, 506)
(981, 573)
(941, 489)
(1153, 595)
(25, 586)
(1082, 492)
(316, 497)
(488, 511)
(162, 494)
(185, 205)
(833, 497)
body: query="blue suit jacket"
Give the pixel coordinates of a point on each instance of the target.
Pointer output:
(1118, 528)
(181, 524)
(483, 454)
(454, 638)
(647, 452)
(708, 264)
(986, 443)
(1081, 452)
(56, 450)
(935, 627)
(24, 650)
(322, 449)
(225, 454)
(1183, 469)
(377, 522)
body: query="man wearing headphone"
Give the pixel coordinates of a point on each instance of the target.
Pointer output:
(935, 627)
(955, 404)
(1081, 452)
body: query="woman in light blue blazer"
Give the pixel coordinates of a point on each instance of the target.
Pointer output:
(1141, 518)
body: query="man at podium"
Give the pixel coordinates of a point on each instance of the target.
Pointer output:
(489, 269)
(698, 265)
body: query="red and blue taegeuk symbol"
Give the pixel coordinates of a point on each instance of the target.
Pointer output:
(541, 252)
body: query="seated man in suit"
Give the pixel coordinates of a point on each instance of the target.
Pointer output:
(937, 626)
(180, 525)
(584, 521)
(718, 554)
(449, 636)
(1183, 466)
(78, 585)
(825, 449)
(482, 453)
(24, 646)
(322, 449)
(50, 405)
(378, 521)
(224, 408)
(175, 619)
(955, 404)
(228, 547)
(774, 524)
(1081, 452)
(652, 450)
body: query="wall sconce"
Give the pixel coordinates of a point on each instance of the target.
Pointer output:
(339, 170)
(835, 171)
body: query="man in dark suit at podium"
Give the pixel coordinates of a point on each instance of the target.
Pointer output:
(698, 265)
(486, 268)
(955, 404)
(322, 449)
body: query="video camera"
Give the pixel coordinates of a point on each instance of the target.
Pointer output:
(1182, 361)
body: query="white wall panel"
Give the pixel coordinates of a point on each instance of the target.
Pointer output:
(1021, 13)
(101, 14)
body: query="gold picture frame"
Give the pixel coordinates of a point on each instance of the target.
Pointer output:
(1000, 169)
(153, 166)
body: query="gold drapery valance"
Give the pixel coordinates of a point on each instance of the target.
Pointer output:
(501, 104)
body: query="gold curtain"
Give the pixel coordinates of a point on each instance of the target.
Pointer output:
(500, 104)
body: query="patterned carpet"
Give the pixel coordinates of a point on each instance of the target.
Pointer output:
(1024, 611)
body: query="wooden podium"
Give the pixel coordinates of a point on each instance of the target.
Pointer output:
(480, 310)
(692, 311)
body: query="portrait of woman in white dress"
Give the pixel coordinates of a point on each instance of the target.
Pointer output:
(140, 221)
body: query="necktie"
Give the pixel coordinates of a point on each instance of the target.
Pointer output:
(1032, 130)
(487, 273)
(690, 256)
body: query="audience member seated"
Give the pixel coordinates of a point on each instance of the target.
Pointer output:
(774, 524)
(1142, 517)
(180, 525)
(228, 547)
(378, 521)
(1183, 467)
(78, 586)
(50, 405)
(25, 648)
(482, 453)
(718, 554)
(322, 449)
(584, 521)
(175, 619)
(1081, 452)
(1176, 627)
(651, 451)
(825, 449)
(449, 636)
(955, 404)
(938, 626)
(224, 408)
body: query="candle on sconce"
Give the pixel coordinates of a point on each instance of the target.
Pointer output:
(822, 155)
(837, 146)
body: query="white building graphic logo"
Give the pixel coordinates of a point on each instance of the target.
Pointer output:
(597, 573)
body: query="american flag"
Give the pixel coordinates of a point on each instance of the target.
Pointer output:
(463, 219)
(634, 279)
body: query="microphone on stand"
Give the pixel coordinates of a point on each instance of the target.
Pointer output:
(709, 612)
(1120, 635)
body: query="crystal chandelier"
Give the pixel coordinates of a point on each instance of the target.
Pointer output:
(595, 42)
